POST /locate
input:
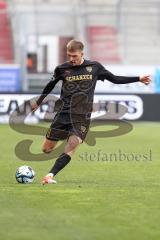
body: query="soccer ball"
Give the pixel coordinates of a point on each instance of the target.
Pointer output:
(25, 174)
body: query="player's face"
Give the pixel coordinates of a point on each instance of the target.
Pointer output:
(75, 58)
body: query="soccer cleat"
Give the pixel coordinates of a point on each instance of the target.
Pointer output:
(48, 180)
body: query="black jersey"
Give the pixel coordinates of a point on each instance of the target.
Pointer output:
(78, 85)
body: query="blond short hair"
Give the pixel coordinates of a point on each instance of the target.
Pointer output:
(75, 45)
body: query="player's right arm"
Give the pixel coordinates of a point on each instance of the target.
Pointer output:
(48, 88)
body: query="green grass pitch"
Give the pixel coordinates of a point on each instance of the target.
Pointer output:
(93, 200)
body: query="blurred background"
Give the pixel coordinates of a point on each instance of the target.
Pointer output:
(123, 35)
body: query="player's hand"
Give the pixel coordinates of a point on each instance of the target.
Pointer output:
(145, 79)
(34, 107)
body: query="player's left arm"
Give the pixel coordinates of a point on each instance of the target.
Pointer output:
(105, 74)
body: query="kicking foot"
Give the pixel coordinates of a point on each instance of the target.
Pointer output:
(48, 180)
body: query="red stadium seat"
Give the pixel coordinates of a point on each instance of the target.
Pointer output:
(6, 50)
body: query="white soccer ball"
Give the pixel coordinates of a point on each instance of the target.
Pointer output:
(25, 174)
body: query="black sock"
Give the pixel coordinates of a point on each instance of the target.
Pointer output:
(60, 163)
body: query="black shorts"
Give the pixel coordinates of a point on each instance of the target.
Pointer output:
(65, 125)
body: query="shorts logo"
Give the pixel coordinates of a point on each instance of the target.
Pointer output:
(89, 69)
(83, 129)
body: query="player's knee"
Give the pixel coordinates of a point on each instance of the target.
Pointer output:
(72, 144)
(47, 150)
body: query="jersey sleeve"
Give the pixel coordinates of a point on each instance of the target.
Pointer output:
(105, 74)
(55, 77)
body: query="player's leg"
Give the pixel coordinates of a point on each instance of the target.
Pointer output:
(55, 133)
(48, 145)
(71, 146)
(78, 131)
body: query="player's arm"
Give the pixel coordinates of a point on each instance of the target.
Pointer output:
(105, 74)
(48, 88)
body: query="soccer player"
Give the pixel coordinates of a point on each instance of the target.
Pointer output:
(72, 120)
